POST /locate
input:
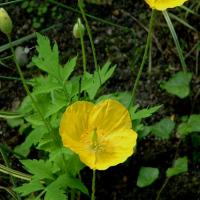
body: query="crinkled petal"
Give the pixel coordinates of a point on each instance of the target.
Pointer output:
(118, 146)
(164, 4)
(74, 123)
(109, 116)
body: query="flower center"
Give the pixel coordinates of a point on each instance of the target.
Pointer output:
(94, 140)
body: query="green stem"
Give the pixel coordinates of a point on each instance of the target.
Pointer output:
(88, 15)
(10, 2)
(40, 195)
(91, 39)
(8, 166)
(176, 41)
(151, 23)
(15, 173)
(48, 126)
(83, 52)
(12, 193)
(163, 186)
(150, 57)
(93, 185)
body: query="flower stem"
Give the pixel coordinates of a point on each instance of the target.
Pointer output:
(151, 23)
(48, 126)
(80, 3)
(83, 53)
(93, 185)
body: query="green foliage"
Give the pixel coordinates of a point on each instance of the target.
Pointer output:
(138, 115)
(163, 128)
(33, 138)
(123, 97)
(55, 193)
(91, 82)
(53, 92)
(147, 175)
(190, 126)
(180, 166)
(179, 84)
(27, 188)
(144, 113)
(39, 168)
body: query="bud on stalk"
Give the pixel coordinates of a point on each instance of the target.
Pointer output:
(5, 22)
(78, 29)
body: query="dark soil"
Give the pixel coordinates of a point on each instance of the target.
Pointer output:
(119, 45)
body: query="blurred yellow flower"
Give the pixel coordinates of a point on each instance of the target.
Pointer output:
(164, 4)
(100, 134)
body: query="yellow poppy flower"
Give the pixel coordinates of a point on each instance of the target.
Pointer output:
(100, 134)
(164, 4)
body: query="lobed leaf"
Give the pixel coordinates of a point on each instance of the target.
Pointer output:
(163, 128)
(144, 113)
(192, 125)
(180, 166)
(39, 168)
(179, 84)
(27, 188)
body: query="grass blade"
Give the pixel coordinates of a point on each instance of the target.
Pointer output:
(176, 41)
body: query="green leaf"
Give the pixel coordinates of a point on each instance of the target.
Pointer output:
(60, 157)
(192, 125)
(27, 188)
(44, 85)
(66, 160)
(39, 168)
(180, 166)
(15, 122)
(105, 72)
(122, 97)
(33, 138)
(68, 68)
(26, 105)
(48, 58)
(163, 128)
(147, 175)
(74, 165)
(73, 86)
(47, 143)
(54, 193)
(65, 181)
(91, 83)
(179, 84)
(144, 131)
(75, 183)
(55, 107)
(144, 113)
(35, 119)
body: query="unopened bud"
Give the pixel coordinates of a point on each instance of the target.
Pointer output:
(78, 29)
(5, 22)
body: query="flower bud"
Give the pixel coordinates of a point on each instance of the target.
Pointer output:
(78, 29)
(5, 22)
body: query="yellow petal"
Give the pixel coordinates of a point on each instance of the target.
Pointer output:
(117, 148)
(74, 123)
(109, 116)
(164, 4)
